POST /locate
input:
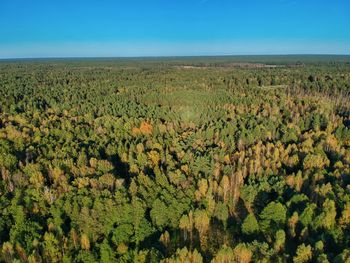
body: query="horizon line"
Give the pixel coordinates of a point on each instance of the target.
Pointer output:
(175, 56)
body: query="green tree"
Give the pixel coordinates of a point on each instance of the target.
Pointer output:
(273, 217)
(250, 225)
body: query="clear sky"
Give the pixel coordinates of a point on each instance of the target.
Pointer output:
(76, 28)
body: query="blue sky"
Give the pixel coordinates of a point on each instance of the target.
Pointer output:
(78, 28)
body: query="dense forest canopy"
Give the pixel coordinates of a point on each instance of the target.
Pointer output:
(226, 159)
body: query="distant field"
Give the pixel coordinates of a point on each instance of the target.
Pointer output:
(195, 61)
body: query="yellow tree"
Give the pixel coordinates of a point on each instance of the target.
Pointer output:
(243, 254)
(225, 187)
(224, 255)
(85, 242)
(345, 217)
(186, 224)
(303, 254)
(201, 222)
(185, 256)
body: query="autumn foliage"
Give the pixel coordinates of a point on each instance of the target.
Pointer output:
(175, 160)
(145, 129)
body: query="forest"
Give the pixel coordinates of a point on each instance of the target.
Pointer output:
(175, 160)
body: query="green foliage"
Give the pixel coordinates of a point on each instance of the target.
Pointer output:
(159, 214)
(303, 254)
(273, 217)
(306, 218)
(280, 240)
(8, 161)
(343, 257)
(175, 160)
(250, 225)
(326, 219)
(221, 213)
(122, 234)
